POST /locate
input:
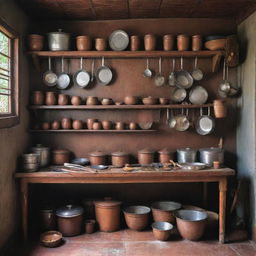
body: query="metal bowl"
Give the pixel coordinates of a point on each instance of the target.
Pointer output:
(81, 161)
(162, 225)
(193, 166)
(191, 215)
(166, 205)
(162, 230)
(99, 167)
(137, 209)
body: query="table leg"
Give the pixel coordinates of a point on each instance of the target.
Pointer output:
(222, 209)
(24, 207)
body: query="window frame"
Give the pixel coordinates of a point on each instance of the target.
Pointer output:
(11, 119)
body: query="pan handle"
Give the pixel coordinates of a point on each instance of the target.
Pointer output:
(147, 64)
(196, 62)
(62, 64)
(209, 111)
(81, 63)
(160, 66)
(102, 61)
(173, 64)
(49, 63)
(201, 111)
(167, 115)
(181, 62)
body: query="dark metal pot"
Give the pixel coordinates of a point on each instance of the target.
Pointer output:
(186, 155)
(59, 41)
(44, 154)
(209, 155)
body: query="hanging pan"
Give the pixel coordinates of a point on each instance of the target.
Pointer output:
(81, 77)
(49, 77)
(205, 123)
(197, 73)
(63, 80)
(182, 121)
(183, 79)
(104, 74)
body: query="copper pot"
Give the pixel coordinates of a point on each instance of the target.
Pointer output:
(197, 43)
(61, 156)
(182, 42)
(90, 226)
(220, 110)
(75, 100)
(97, 125)
(168, 42)
(162, 230)
(165, 156)
(66, 123)
(135, 43)
(107, 125)
(119, 126)
(120, 159)
(145, 156)
(90, 122)
(108, 215)
(97, 158)
(131, 100)
(92, 100)
(132, 126)
(164, 101)
(55, 125)
(46, 125)
(35, 42)
(62, 99)
(150, 42)
(77, 125)
(47, 219)
(38, 98)
(100, 44)
(83, 43)
(50, 98)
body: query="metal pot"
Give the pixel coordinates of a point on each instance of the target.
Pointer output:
(209, 155)
(47, 219)
(59, 41)
(70, 219)
(186, 155)
(44, 154)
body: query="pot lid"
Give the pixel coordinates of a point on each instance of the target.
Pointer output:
(40, 147)
(61, 151)
(164, 151)
(119, 153)
(107, 203)
(186, 149)
(58, 32)
(211, 149)
(69, 211)
(146, 151)
(97, 153)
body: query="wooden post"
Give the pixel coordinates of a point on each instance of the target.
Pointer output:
(205, 192)
(222, 208)
(24, 207)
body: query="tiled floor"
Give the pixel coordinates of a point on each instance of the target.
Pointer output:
(132, 243)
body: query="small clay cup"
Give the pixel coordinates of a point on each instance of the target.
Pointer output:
(90, 122)
(164, 101)
(77, 125)
(66, 123)
(120, 126)
(182, 42)
(149, 42)
(106, 124)
(38, 98)
(106, 101)
(197, 43)
(90, 226)
(168, 42)
(83, 43)
(135, 43)
(76, 100)
(97, 126)
(92, 100)
(50, 98)
(62, 99)
(131, 100)
(45, 125)
(100, 44)
(55, 125)
(35, 42)
(162, 230)
(132, 126)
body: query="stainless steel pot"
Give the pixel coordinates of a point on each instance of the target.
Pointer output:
(59, 41)
(44, 154)
(209, 155)
(186, 155)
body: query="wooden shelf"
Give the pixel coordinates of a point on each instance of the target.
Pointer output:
(93, 131)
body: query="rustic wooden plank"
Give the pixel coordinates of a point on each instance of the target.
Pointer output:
(93, 131)
(143, 8)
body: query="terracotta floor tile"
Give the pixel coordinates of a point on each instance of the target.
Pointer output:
(246, 249)
(135, 236)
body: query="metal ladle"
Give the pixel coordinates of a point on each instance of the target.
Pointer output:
(172, 76)
(92, 74)
(159, 79)
(147, 72)
(224, 86)
(197, 73)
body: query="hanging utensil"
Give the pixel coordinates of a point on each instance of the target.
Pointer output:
(205, 123)
(172, 122)
(178, 94)
(197, 73)
(224, 84)
(92, 71)
(198, 95)
(167, 116)
(172, 76)
(159, 79)
(63, 80)
(49, 77)
(183, 79)
(104, 74)
(81, 77)
(147, 72)
(233, 91)
(182, 122)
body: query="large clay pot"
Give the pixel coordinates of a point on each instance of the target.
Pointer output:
(38, 98)
(62, 99)
(55, 125)
(100, 44)
(77, 125)
(50, 98)
(182, 42)
(75, 100)
(135, 43)
(168, 42)
(35, 42)
(149, 42)
(97, 158)
(120, 159)
(83, 43)
(90, 122)
(66, 123)
(146, 156)
(61, 156)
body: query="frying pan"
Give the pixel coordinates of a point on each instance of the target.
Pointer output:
(63, 80)
(182, 122)
(81, 77)
(198, 95)
(183, 79)
(178, 94)
(205, 123)
(49, 77)
(104, 74)
(197, 73)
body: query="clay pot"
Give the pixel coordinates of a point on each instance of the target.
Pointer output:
(165, 156)
(90, 122)
(131, 100)
(162, 230)
(38, 98)
(76, 100)
(106, 101)
(83, 43)
(90, 226)
(216, 164)
(120, 159)
(66, 123)
(88, 205)
(97, 126)
(92, 100)
(120, 126)
(50, 98)
(149, 100)
(135, 43)
(132, 126)
(149, 42)
(77, 125)
(46, 125)
(164, 101)
(100, 44)
(55, 125)
(197, 43)
(59, 157)
(47, 219)
(108, 215)
(145, 157)
(182, 42)
(97, 158)
(107, 125)
(168, 42)
(35, 42)
(220, 110)
(62, 99)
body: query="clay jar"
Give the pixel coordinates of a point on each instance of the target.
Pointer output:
(100, 44)
(120, 159)
(59, 157)
(107, 125)
(97, 126)
(75, 100)
(135, 43)
(168, 42)
(164, 101)
(55, 125)
(50, 98)
(77, 125)
(145, 156)
(46, 125)
(108, 215)
(97, 158)
(165, 156)
(131, 100)
(119, 126)
(197, 43)
(66, 123)
(182, 42)
(62, 99)
(150, 42)
(92, 100)
(90, 122)
(132, 126)
(220, 110)
(38, 98)
(83, 43)
(35, 42)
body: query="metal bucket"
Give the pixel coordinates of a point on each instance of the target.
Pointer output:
(186, 155)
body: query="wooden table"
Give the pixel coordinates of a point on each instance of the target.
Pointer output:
(119, 176)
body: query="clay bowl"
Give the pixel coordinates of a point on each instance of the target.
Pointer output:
(131, 100)
(191, 224)
(149, 100)
(51, 239)
(136, 217)
(214, 45)
(162, 230)
(106, 101)
(163, 211)
(106, 124)
(146, 125)
(164, 101)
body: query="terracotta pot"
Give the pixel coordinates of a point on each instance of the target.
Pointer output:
(90, 122)
(168, 42)
(90, 226)
(50, 98)
(38, 98)
(66, 123)
(182, 42)
(97, 126)
(55, 125)
(97, 158)
(164, 101)
(220, 110)
(216, 165)
(131, 100)
(137, 217)
(146, 156)
(92, 100)
(120, 126)
(108, 215)
(135, 43)
(59, 157)
(62, 99)
(120, 159)
(83, 43)
(165, 156)
(197, 43)
(162, 230)
(77, 125)
(76, 100)
(133, 126)
(107, 125)
(149, 42)
(100, 44)
(47, 219)
(149, 100)
(106, 101)
(46, 125)
(35, 42)
(88, 205)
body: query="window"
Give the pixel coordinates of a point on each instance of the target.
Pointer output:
(9, 98)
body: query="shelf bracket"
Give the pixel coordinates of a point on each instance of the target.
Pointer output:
(216, 62)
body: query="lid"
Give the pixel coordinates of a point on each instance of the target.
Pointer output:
(107, 203)
(164, 151)
(40, 147)
(146, 151)
(186, 150)
(59, 32)
(210, 150)
(69, 211)
(30, 155)
(61, 151)
(97, 153)
(119, 153)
